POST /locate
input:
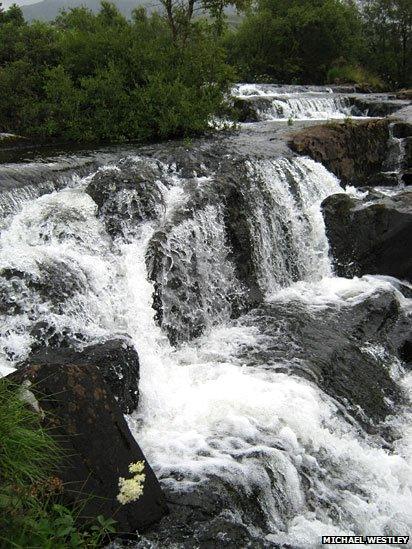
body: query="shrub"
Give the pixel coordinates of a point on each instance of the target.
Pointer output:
(99, 77)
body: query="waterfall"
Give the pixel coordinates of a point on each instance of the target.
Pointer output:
(294, 102)
(286, 222)
(234, 414)
(304, 108)
(396, 158)
(248, 90)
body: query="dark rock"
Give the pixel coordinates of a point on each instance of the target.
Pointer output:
(176, 254)
(406, 352)
(177, 297)
(377, 106)
(127, 195)
(407, 177)
(237, 199)
(177, 258)
(401, 130)
(353, 151)
(346, 350)
(212, 514)
(249, 109)
(408, 156)
(55, 283)
(46, 334)
(116, 359)
(190, 163)
(404, 94)
(384, 179)
(98, 446)
(371, 235)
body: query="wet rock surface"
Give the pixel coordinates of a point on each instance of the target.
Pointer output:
(373, 105)
(347, 351)
(177, 257)
(353, 151)
(370, 235)
(116, 359)
(127, 194)
(83, 414)
(251, 109)
(54, 282)
(200, 517)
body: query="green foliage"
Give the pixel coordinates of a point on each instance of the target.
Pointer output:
(99, 77)
(388, 40)
(295, 40)
(27, 452)
(314, 41)
(47, 525)
(354, 74)
(31, 514)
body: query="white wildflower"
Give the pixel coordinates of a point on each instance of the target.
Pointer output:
(137, 467)
(132, 488)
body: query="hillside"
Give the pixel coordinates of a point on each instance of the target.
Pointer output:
(48, 9)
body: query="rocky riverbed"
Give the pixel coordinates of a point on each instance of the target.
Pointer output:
(245, 301)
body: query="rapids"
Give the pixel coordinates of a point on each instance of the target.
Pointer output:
(253, 443)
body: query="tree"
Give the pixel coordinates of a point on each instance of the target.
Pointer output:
(295, 40)
(180, 13)
(13, 15)
(388, 32)
(11, 25)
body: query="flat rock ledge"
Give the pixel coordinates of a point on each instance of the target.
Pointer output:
(353, 151)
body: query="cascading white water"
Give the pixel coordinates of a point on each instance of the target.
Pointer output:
(287, 224)
(294, 102)
(195, 256)
(248, 90)
(203, 413)
(396, 157)
(306, 108)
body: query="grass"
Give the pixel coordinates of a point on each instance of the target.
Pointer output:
(31, 511)
(28, 453)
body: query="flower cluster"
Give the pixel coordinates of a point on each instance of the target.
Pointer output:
(132, 488)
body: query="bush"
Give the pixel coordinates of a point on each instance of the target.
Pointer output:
(99, 77)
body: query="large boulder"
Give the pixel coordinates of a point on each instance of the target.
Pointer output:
(128, 194)
(116, 359)
(350, 349)
(353, 151)
(81, 412)
(371, 235)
